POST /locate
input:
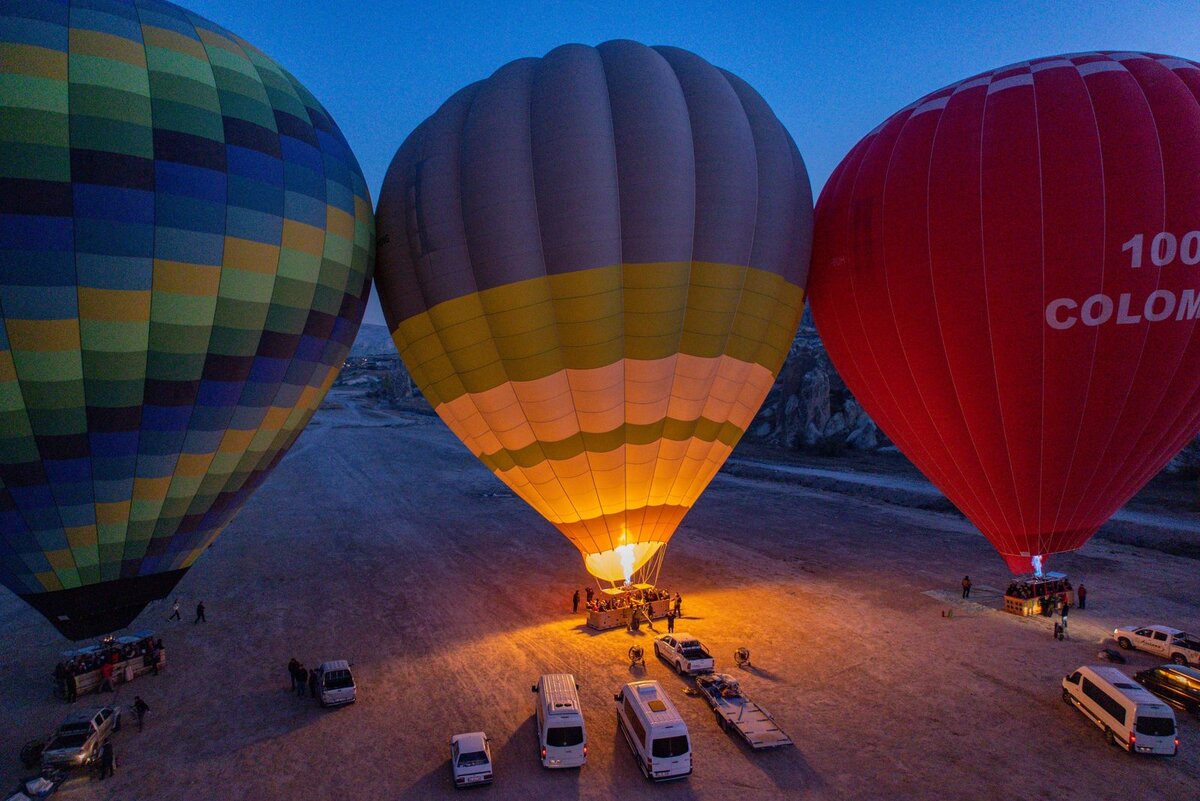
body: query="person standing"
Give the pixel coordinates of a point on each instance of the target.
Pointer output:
(966, 587)
(678, 605)
(175, 612)
(575, 602)
(106, 673)
(312, 683)
(200, 618)
(1082, 596)
(301, 680)
(140, 708)
(670, 621)
(293, 667)
(72, 685)
(590, 594)
(106, 760)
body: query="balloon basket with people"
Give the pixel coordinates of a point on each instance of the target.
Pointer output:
(1038, 595)
(111, 661)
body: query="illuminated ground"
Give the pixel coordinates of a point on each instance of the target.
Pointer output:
(376, 541)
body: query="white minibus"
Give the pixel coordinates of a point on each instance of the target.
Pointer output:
(1130, 716)
(654, 730)
(562, 737)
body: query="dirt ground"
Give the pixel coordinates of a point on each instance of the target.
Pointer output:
(381, 540)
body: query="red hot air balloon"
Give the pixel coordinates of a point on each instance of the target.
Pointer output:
(1007, 276)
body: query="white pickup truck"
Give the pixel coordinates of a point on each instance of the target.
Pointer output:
(1178, 646)
(684, 653)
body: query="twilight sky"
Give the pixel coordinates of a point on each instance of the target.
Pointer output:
(831, 70)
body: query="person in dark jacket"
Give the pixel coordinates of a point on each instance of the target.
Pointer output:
(293, 666)
(140, 708)
(670, 620)
(106, 760)
(301, 680)
(200, 618)
(1082, 595)
(966, 587)
(575, 602)
(590, 594)
(312, 683)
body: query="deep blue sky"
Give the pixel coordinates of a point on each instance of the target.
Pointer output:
(832, 71)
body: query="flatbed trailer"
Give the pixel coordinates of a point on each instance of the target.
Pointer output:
(736, 712)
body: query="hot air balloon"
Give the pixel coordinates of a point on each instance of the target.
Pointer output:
(1006, 275)
(593, 265)
(185, 246)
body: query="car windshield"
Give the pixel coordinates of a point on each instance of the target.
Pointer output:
(471, 759)
(666, 747)
(338, 680)
(1155, 727)
(564, 736)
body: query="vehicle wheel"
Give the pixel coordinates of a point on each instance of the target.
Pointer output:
(1179, 659)
(1066, 696)
(1109, 737)
(1125, 643)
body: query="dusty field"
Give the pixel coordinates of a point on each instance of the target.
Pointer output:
(375, 541)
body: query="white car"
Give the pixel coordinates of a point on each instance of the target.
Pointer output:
(471, 759)
(1178, 646)
(684, 653)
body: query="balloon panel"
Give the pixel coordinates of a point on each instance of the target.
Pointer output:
(1000, 278)
(187, 242)
(593, 266)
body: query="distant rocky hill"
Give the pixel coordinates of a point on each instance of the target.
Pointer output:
(373, 340)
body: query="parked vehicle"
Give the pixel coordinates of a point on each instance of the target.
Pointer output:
(737, 712)
(471, 759)
(1178, 646)
(76, 743)
(1130, 717)
(656, 733)
(562, 737)
(335, 683)
(686, 654)
(1176, 684)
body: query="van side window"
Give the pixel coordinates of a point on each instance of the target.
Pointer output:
(1104, 701)
(635, 723)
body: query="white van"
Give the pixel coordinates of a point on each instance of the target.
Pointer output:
(562, 737)
(1129, 715)
(654, 730)
(335, 683)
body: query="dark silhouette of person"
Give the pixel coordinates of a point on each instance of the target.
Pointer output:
(670, 621)
(301, 681)
(1082, 594)
(106, 760)
(200, 618)
(966, 587)
(312, 683)
(293, 667)
(575, 602)
(140, 708)
(590, 594)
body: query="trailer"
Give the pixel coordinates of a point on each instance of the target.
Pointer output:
(736, 712)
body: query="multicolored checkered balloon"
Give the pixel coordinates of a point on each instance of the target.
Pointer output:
(186, 243)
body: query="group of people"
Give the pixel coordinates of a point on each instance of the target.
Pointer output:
(634, 598)
(105, 659)
(175, 614)
(304, 680)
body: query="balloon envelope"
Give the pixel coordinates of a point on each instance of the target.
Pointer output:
(185, 241)
(593, 266)
(1006, 276)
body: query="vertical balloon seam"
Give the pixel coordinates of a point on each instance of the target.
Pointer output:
(136, 7)
(950, 484)
(1082, 416)
(1073, 518)
(984, 470)
(657, 514)
(165, 528)
(198, 507)
(1095, 509)
(697, 483)
(536, 72)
